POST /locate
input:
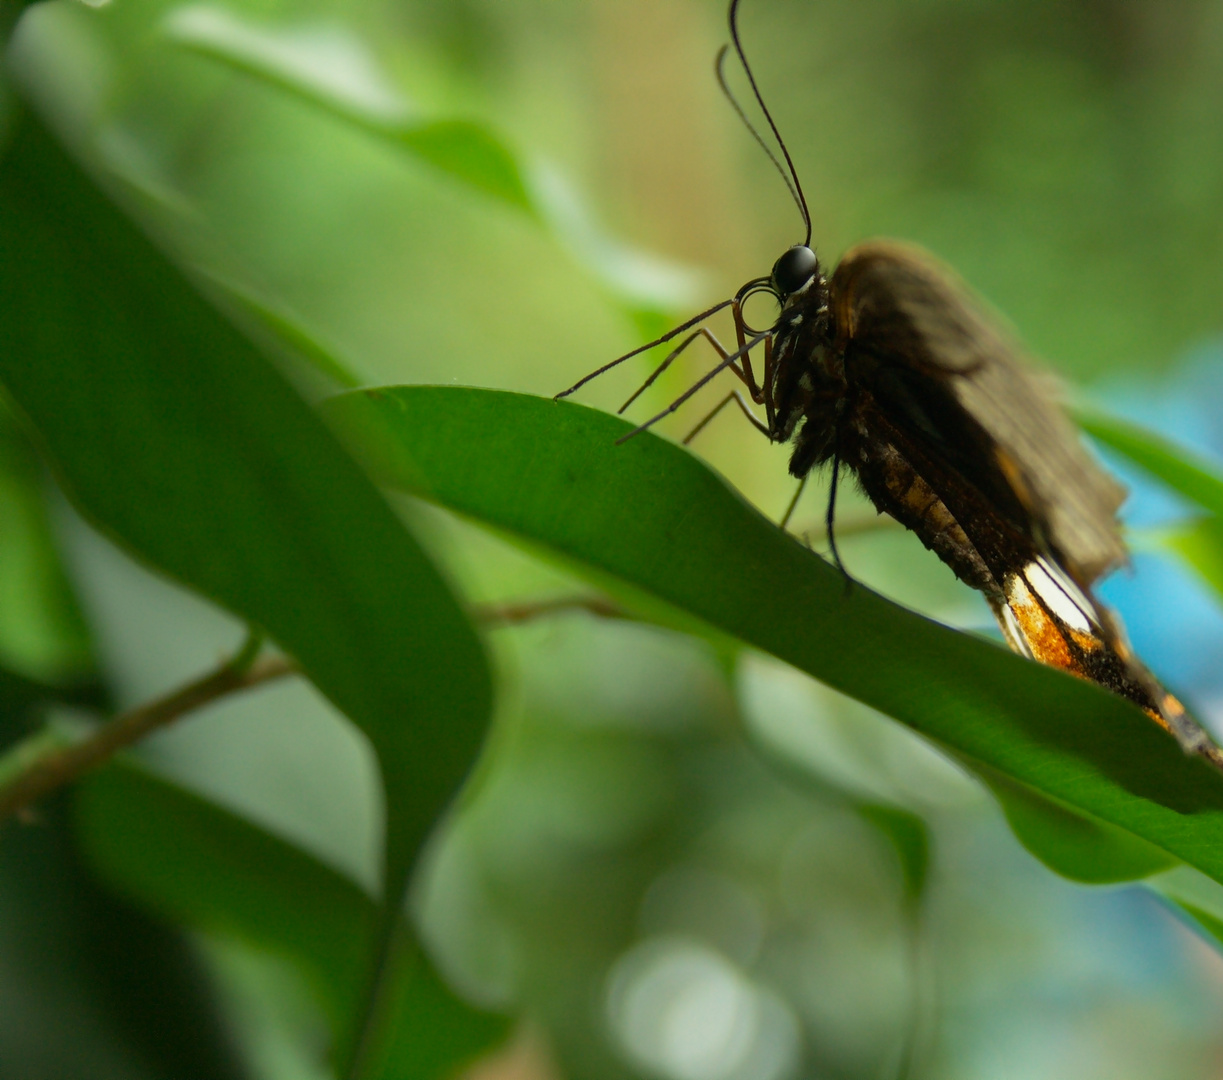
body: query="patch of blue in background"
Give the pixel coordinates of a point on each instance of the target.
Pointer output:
(1174, 620)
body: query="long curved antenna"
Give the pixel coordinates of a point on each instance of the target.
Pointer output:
(733, 18)
(719, 70)
(642, 348)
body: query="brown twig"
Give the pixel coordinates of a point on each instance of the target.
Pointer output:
(60, 767)
(514, 614)
(53, 766)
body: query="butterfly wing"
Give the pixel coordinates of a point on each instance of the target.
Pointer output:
(944, 369)
(951, 433)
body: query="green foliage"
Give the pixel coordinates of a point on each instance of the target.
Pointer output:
(1199, 541)
(637, 815)
(468, 152)
(191, 861)
(230, 484)
(1177, 467)
(552, 472)
(910, 838)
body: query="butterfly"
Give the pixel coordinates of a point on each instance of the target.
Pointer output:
(890, 369)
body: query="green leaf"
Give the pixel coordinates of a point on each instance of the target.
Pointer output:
(909, 838)
(201, 866)
(97, 989)
(172, 433)
(1070, 842)
(326, 68)
(334, 72)
(1196, 898)
(288, 332)
(1184, 471)
(42, 631)
(1199, 544)
(652, 515)
(10, 12)
(469, 152)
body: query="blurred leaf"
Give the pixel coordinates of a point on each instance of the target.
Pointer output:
(905, 831)
(433, 1033)
(330, 69)
(1071, 843)
(653, 515)
(10, 12)
(1199, 544)
(909, 838)
(20, 701)
(327, 67)
(648, 286)
(178, 439)
(288, 332)
(94, 989)
(1184, 471)
(44, 644)
(204, 867)
(42, 631)
(1196, 896)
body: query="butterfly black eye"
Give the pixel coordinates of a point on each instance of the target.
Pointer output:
(794, 269)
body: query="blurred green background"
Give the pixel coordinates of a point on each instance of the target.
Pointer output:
(634, 876)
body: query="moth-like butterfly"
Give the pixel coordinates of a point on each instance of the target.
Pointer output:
(889, 368)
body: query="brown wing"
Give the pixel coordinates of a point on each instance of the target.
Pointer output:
(929, 352)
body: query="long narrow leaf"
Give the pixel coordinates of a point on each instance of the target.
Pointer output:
(176, 437)
(190, 860)
(1184, 471)
(329, 69)
(652, 515)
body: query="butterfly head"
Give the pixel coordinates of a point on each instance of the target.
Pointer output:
(794, 272)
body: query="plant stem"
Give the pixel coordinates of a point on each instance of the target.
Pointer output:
(53, 767)
(514, 613)
(48, 760)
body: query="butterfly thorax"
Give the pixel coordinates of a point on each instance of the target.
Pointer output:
(806, 384)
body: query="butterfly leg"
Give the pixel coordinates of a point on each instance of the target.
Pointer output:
(735, 396)
(785, 518)
(660, 369)
(747, 375)
(829, 520)
(709, 336)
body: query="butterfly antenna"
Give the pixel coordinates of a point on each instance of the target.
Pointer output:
(797, 189)
(720, 71)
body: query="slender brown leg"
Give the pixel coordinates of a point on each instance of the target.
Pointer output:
(660, 369)
(732, 396)
(709, 336)
(696, 387)
(830, 519)
(769, 417)
(748, 376)
(785, 518)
